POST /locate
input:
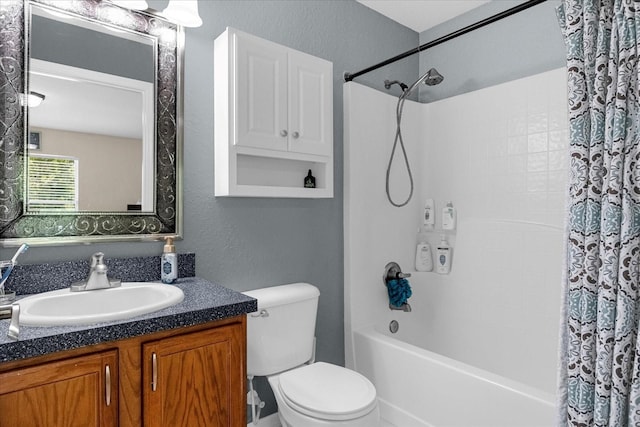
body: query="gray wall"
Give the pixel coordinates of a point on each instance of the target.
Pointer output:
(250, 243)
(68, 44)
(527, 43)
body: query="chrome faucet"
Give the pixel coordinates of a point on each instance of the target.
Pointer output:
(97, 276)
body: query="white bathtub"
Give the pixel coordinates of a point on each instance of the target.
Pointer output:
(420, 388)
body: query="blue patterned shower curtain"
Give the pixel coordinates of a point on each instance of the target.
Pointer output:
(600, 360)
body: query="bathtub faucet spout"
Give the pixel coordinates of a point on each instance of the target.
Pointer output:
(404, 307)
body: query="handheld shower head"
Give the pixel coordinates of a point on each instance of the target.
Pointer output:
(432, 77)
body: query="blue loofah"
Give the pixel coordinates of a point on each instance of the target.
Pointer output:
(399, 291)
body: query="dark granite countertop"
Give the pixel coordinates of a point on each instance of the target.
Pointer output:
(203, 302)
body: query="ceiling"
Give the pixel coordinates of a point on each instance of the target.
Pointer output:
(420, 15)
(87, 106)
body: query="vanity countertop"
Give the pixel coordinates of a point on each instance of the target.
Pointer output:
(203, 302)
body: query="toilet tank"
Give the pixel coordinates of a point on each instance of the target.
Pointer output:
(280, 335)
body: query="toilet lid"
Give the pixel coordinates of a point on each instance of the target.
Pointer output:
(326, 391)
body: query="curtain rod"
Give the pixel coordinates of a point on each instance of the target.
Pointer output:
(519, 8)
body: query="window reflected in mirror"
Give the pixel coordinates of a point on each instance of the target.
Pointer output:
(52, 183)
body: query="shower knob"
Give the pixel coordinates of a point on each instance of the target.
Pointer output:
(295, 134)
(283, 132)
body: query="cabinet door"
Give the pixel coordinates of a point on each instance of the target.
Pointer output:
(196, 380)
(76, 392)
(310, 104)
(261, 93)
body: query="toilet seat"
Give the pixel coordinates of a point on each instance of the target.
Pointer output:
(325, 391)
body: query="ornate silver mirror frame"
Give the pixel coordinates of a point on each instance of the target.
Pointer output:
(17, 225)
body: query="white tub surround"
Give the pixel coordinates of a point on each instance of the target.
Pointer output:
(500, 156)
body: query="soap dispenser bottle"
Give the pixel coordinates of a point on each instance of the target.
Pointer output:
(169, 262)
(443, 257)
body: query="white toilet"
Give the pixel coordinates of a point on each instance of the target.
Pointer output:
(280, 346)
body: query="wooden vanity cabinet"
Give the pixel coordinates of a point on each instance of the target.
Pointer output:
(192, 376)
(192, 380)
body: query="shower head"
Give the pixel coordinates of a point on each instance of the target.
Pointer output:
(432, 77)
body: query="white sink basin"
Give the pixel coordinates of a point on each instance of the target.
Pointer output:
(63, 307)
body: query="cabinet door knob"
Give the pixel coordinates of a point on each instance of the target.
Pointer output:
(284, 132)
(295, 134)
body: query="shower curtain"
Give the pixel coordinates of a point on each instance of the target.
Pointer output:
(600, 353)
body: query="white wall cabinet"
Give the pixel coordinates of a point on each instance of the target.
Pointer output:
(273, 119)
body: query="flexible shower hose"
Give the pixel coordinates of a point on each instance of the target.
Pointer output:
(397, 139)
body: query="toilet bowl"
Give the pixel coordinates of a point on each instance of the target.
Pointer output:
(281, 346)
(322, 394)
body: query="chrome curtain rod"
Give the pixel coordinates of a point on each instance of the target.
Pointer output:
(519, 8)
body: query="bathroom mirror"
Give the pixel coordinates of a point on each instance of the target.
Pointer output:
(99, 158)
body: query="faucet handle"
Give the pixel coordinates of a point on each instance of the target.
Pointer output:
(97, 259)
(97, 263)
(392, 271)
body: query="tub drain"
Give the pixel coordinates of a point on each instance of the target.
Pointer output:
(394, 326)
